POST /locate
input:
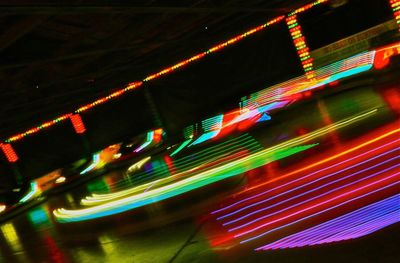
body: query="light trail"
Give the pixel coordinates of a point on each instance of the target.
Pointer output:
(325, 210)
(352, 225)
(184, 166)
(182, 186)
(95, 162)
(325, 160)
(33, 192)
(306, 184)
(303, 202)
(167, 189)
(367, 166)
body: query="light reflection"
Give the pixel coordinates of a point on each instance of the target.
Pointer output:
(70, 200)
(53, 250)
(170, 164)
(39, 217)
(11, 237)
(326, 118)
(107, 244)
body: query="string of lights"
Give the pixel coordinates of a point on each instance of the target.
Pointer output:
(395, 4)
(134, 85)
(299, 39)
(299, 42)
(295, 31)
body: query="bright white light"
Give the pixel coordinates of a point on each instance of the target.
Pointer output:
(60, 180)
(117, 155)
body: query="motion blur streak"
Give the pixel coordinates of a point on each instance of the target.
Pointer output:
(393, 132)
(186, 166)
(366, 165)
(168, 187)
(318, 197)
(95, 162)
(309, 191)
(182, 186)
(352, 225)
(33, 192)
(330, 208)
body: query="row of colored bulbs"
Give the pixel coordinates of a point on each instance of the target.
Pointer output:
(300, 43)
(395, 4)
(298, 40)
(135, 85)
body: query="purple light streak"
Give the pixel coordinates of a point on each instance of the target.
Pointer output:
(308, 208)
(310, 191)
(352, 225)
(296, 180)
(327, 209)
